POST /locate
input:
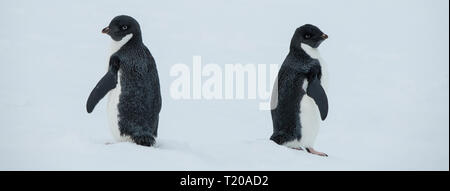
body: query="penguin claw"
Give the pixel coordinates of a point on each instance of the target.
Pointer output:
(312, 151)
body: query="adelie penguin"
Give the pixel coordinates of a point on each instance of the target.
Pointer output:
(298, 99)
(132, 85)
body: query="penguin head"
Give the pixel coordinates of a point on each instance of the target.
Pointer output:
(122, 26)
(308, 34)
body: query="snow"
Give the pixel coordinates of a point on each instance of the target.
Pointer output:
(388, 84)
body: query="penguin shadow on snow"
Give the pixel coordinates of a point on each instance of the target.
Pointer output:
(268, 144)
(171, 146)
(159, 144)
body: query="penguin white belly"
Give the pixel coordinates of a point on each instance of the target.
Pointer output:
(114, 96)
(113, 112)
(309, 120)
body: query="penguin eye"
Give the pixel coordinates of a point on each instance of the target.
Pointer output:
(124, 27)
(307, 36)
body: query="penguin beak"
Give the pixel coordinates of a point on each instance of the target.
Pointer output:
(105, 30)
(324, 36)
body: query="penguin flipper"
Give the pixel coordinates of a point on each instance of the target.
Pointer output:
(107, 83)
(316, 91)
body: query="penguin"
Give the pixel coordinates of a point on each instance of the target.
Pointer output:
(299, 99)
(132, 85)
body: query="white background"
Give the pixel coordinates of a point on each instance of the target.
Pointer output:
(389, 84)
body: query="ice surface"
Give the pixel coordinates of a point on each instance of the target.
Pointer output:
(389, 84)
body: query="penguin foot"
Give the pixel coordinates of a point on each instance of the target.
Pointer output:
(299, 149)
(144, 140)
(312, 151)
